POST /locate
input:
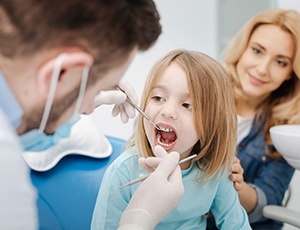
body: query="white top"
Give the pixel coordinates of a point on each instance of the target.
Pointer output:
(18, 195)
(86, 138)
(244, 126)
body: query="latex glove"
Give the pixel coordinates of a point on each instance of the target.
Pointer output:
(125, 110)
(159, 194)
(236, 175)
(118, 98)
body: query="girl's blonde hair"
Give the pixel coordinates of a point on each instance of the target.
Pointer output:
(283, 104)
(213, 109)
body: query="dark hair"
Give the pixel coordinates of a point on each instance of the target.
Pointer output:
(107, 29)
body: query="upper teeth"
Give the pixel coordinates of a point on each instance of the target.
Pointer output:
(165, 129)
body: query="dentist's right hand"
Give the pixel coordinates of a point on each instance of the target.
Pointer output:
(118, 98)
(158, 195)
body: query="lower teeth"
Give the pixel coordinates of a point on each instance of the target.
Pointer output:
(161, 143)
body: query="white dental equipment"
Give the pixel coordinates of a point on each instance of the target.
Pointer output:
(86, 139)
(144, 177)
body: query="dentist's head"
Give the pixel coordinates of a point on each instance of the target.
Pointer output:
(102, 36)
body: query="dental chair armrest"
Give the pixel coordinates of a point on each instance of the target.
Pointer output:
(282, 214)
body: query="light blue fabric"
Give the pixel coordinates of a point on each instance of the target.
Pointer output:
(9, 104)
(219, 196)
(34, 140)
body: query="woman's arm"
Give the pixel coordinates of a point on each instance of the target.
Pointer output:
(248, 197)
(268, 186)
(247, 194)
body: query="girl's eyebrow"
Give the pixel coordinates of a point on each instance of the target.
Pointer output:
(279, 56)
(159, 86)
(164, 88)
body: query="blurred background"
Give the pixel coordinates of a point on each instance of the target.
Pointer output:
(202, 25)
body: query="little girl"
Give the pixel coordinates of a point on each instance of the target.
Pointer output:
(188, 95)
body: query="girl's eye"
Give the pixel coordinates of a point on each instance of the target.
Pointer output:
(157, 98)
(187, 105)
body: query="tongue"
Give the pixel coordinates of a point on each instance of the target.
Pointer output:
(168, 136)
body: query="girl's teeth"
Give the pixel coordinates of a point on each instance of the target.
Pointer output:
(165, 129)
(161, 143)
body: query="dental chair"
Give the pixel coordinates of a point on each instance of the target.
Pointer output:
(286, 139)
(67, 192)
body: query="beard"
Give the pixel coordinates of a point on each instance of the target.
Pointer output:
(33, 118)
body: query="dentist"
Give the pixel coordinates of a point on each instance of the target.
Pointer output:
(55, 58)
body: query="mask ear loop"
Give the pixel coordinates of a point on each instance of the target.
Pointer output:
(84, 78)
(54, 79)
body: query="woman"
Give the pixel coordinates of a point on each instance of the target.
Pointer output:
(263, 63)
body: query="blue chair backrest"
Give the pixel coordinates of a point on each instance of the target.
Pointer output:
(67, 193)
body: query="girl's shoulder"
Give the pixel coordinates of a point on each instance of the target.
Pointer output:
(126, 166)
(199, 175)
(128, 157)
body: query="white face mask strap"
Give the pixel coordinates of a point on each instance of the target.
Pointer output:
(85, 74)
(53, 84)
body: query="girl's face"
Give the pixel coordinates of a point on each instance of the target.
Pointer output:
(170, 108)
(267, 61)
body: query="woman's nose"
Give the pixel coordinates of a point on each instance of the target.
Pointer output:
(262, 67)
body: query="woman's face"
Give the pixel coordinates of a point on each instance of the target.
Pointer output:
(170, 108)
(267, 61)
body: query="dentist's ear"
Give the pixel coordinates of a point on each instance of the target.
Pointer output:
(68, 62)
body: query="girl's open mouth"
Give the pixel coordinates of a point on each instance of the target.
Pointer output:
(166, 137)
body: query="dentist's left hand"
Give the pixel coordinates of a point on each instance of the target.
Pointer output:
(158, 195)
(118, 98)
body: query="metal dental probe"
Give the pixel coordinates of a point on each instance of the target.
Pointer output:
(144, 177)
(140, 111)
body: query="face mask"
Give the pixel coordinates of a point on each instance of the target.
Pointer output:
(85, 139)
(36, 139)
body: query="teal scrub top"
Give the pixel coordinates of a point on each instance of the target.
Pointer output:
(219, 196)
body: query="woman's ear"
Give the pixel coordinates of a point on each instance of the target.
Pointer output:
(69, 61)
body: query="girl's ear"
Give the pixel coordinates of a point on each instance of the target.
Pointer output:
(69, 61)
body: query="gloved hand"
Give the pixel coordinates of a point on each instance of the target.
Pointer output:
(159, 194)
(118, 98)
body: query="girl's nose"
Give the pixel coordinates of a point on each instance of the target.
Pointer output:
(169, 111)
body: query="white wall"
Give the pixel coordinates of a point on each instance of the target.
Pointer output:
(190, 24)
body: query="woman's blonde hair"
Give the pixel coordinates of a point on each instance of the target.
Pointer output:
(213, 109)
(283, 104)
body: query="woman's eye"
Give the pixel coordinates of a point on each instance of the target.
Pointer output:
(256, 51)
(282, 63)
(187, 105)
